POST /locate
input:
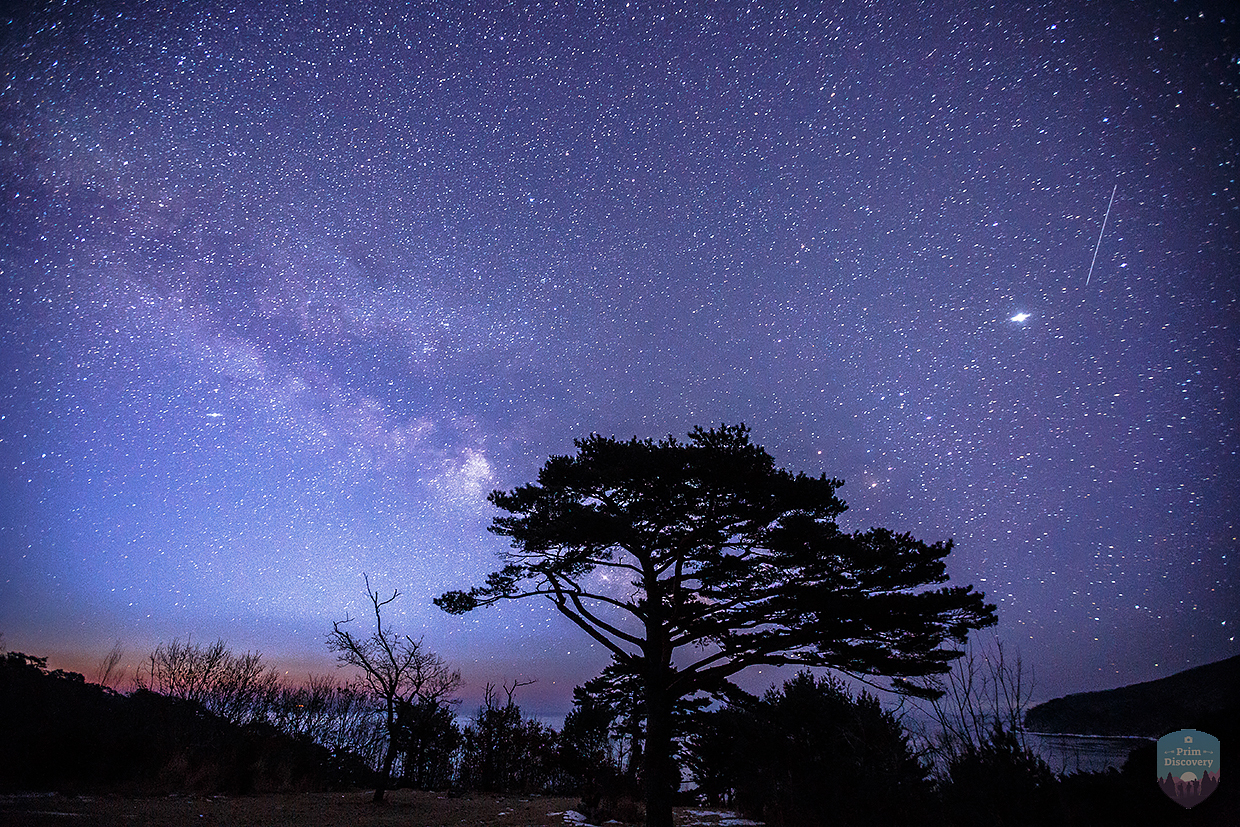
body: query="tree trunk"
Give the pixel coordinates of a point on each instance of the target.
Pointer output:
(381, 783)
(657, 777)
(636, 754)
(385, 774)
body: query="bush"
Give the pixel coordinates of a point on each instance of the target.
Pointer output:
(503, 752)
(427, 737)
(1000, 782)
(808, 753)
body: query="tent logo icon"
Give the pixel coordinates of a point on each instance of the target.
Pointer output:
(1188, 766)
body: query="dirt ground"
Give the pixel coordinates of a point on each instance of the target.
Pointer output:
(406, 808)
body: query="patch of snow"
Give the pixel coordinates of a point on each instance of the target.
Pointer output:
(720, 818)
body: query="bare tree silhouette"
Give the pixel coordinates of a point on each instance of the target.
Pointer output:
(397, 669)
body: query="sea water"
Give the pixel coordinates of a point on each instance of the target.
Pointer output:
(1083, 753)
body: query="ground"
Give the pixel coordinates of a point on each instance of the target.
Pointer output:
(351, 809)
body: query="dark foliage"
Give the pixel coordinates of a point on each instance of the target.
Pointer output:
(427, 738)
(57, 729)
(796, 756)
(593, 759)
(732, 562)
(242, 689)
(338, 716)
(1002, 784)
(618, 694)
(603, 738)
(1132, 795)
(808, 752)
(586, 746)
(62, 733)
(502, 751)
(999, 782)
(615, 701)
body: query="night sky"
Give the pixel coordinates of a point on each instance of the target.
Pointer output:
(288, 288)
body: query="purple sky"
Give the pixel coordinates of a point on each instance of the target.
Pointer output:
(287, 291)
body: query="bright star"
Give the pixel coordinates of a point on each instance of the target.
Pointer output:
(1019, 317)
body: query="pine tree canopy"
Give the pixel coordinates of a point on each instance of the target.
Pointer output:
(706, 558)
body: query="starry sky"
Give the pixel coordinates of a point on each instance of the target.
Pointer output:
(288, 288)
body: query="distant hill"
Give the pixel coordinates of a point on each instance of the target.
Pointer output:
(58, 732)
(1153, 708)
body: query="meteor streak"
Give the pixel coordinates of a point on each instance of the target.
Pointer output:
(1100, 232)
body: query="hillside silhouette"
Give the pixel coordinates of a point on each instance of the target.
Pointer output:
(1152, 708)
(58, 732)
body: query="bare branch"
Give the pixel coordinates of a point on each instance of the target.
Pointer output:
(106, 674)
(516, 684)
(397, 669)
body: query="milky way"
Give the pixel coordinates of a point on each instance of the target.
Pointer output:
(288, 290)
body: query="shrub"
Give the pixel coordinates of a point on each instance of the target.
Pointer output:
(1000, 782)
(807, 752)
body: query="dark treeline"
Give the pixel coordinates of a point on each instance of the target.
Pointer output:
(59, 732)
(205, 720)
(811, 753)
